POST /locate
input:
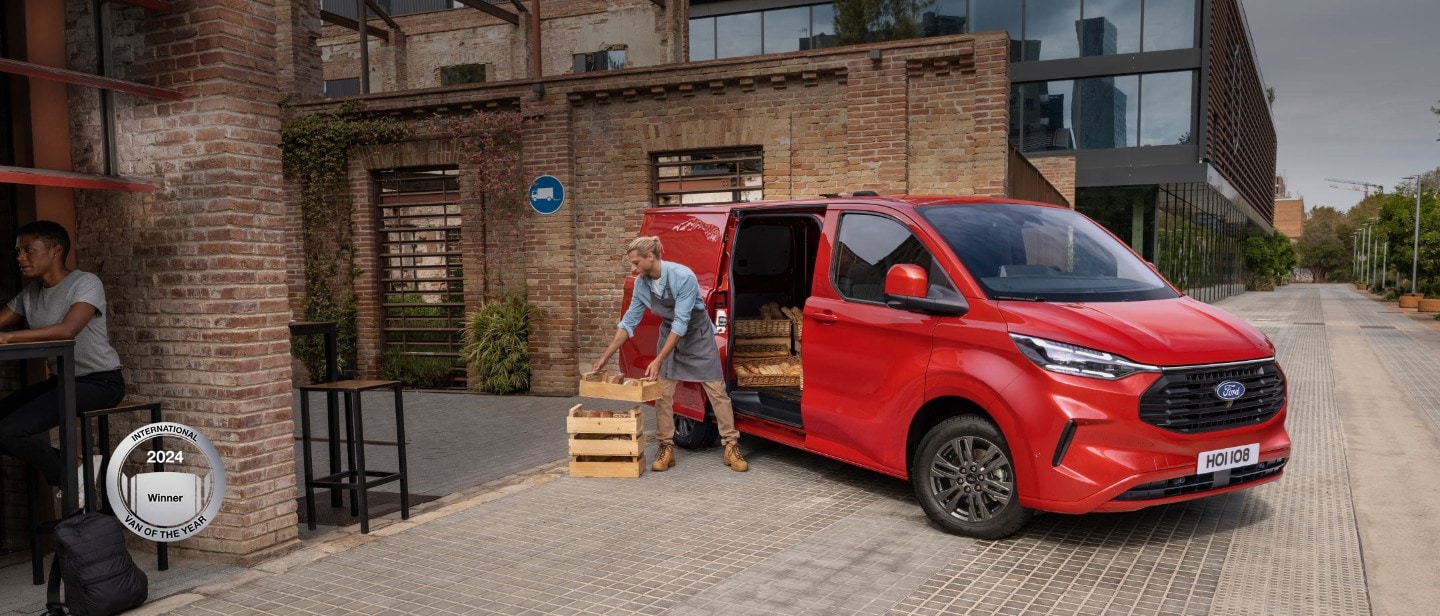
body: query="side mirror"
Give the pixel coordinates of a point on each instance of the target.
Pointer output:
(907, 288)
(906, 280)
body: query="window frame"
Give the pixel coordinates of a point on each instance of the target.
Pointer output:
(935, 265)
(736, 155)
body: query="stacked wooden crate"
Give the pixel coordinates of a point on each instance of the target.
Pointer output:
(609, 443)
(606, 443)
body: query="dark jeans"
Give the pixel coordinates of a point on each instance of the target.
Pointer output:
(27, 416)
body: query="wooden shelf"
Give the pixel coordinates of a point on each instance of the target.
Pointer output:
(50, 73)
(69, 179)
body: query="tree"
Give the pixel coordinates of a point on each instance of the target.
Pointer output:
(1324, 246)
(869, 21)
(1268, 257)
(1395, 216)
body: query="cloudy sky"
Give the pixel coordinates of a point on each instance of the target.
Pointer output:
(1354, 82)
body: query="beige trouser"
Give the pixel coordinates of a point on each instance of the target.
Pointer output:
(719, 401)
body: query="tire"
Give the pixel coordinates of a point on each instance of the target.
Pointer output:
(984, 502)
(691, 434)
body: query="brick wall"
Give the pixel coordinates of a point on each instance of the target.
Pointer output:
(431, 41)
(930, 117)
(1060, 171)
(1290, 217)
(196, 272)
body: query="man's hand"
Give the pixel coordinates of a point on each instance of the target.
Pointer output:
(653, 370)
(5, 337)
(600, 364)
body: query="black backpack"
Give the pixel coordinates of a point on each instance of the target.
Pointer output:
(100, 577)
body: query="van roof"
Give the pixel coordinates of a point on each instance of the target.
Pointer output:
(897, 201)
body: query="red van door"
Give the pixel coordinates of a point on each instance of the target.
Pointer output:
(864, 362)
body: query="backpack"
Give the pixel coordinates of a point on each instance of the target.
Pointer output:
(100, 577)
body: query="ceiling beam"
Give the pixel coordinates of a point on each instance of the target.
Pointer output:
(519, 6)
(50, 73)
(70, 179)
(486, 7)
(375, 8)
(346, 22)
(659, 3)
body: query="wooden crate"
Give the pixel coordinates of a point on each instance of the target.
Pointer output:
(593, 385)
(629, 468)
(606, 446)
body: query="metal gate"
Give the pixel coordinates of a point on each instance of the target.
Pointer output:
(421, 277)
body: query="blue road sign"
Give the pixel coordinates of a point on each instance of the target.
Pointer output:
(547, 194)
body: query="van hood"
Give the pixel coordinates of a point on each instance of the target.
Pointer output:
(1169, 332)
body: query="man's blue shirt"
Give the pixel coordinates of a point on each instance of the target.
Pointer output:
(675, 279)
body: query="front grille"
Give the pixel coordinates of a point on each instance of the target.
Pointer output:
(1203, 482)
(1184, 400)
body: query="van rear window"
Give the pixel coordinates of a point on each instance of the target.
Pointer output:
(1032, 253)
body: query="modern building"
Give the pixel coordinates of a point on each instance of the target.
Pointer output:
(1159, 102)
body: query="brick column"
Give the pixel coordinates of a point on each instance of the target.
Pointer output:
(196, 272)
(875, 135)
(297, 30)
(549, 243)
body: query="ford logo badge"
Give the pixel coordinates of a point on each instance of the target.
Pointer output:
(1230, 390)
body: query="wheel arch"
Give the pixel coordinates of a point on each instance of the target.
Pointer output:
(932, 413)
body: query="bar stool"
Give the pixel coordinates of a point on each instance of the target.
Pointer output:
(102, 417)
(357, 479)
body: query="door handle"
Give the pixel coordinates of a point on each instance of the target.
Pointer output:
(826, 317)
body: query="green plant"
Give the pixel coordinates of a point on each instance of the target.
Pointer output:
(315, 153)
(416, 370)
(497, 344)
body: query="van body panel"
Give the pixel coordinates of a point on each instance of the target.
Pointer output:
(1166, 332)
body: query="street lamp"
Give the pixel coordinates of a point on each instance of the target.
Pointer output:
(1355, 256)
(1415, 251)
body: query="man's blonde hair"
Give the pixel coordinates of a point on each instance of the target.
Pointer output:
(646, 246)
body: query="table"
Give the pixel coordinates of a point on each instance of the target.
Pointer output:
(332, 371)
(64, 353)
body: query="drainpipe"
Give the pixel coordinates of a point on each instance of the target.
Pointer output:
(538, 64)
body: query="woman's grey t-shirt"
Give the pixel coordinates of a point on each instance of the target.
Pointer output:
(44, 307)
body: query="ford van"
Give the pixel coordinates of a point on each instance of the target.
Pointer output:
(1004, 357)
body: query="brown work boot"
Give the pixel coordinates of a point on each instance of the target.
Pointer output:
(664, 457)
(733, 459)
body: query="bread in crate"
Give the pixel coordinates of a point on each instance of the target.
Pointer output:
(618, 387)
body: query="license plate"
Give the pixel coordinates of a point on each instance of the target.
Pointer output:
(1230, 457)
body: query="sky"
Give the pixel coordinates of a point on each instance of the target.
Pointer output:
(1354, 83)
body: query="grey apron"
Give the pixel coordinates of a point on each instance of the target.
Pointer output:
(695, 359)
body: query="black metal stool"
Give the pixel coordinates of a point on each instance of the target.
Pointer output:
(102, 416)
(357, 479)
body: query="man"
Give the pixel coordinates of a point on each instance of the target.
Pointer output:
(57, 304)
(687, 350)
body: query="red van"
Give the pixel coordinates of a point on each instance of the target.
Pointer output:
(1003, 356)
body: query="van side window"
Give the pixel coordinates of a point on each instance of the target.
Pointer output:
(868, 247)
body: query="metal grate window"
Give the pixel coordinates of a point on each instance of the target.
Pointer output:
(706, 177)
(423, 305)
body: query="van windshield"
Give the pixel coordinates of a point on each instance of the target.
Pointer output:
(1030, 253)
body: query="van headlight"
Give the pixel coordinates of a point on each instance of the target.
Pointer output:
(1079, 361)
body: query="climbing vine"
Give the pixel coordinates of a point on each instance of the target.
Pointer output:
(315, 153)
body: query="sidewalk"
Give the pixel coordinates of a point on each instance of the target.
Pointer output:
(1346, 531)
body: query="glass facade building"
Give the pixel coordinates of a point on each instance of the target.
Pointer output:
(1159, 101)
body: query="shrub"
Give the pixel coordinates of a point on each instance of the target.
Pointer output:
(416, 370)
(497, 344)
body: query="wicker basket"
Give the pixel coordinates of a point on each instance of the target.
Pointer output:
(799, 326)
(746, 351)
(757, 328)
(768, 380)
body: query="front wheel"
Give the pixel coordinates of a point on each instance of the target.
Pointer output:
(964, 478)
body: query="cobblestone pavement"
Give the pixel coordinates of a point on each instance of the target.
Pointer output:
(801, 534)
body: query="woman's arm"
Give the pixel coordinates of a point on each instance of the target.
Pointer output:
(68, 328)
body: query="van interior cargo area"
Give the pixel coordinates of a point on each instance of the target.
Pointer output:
(772, 270)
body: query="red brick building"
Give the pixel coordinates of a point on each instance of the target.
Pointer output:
(172, 182)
